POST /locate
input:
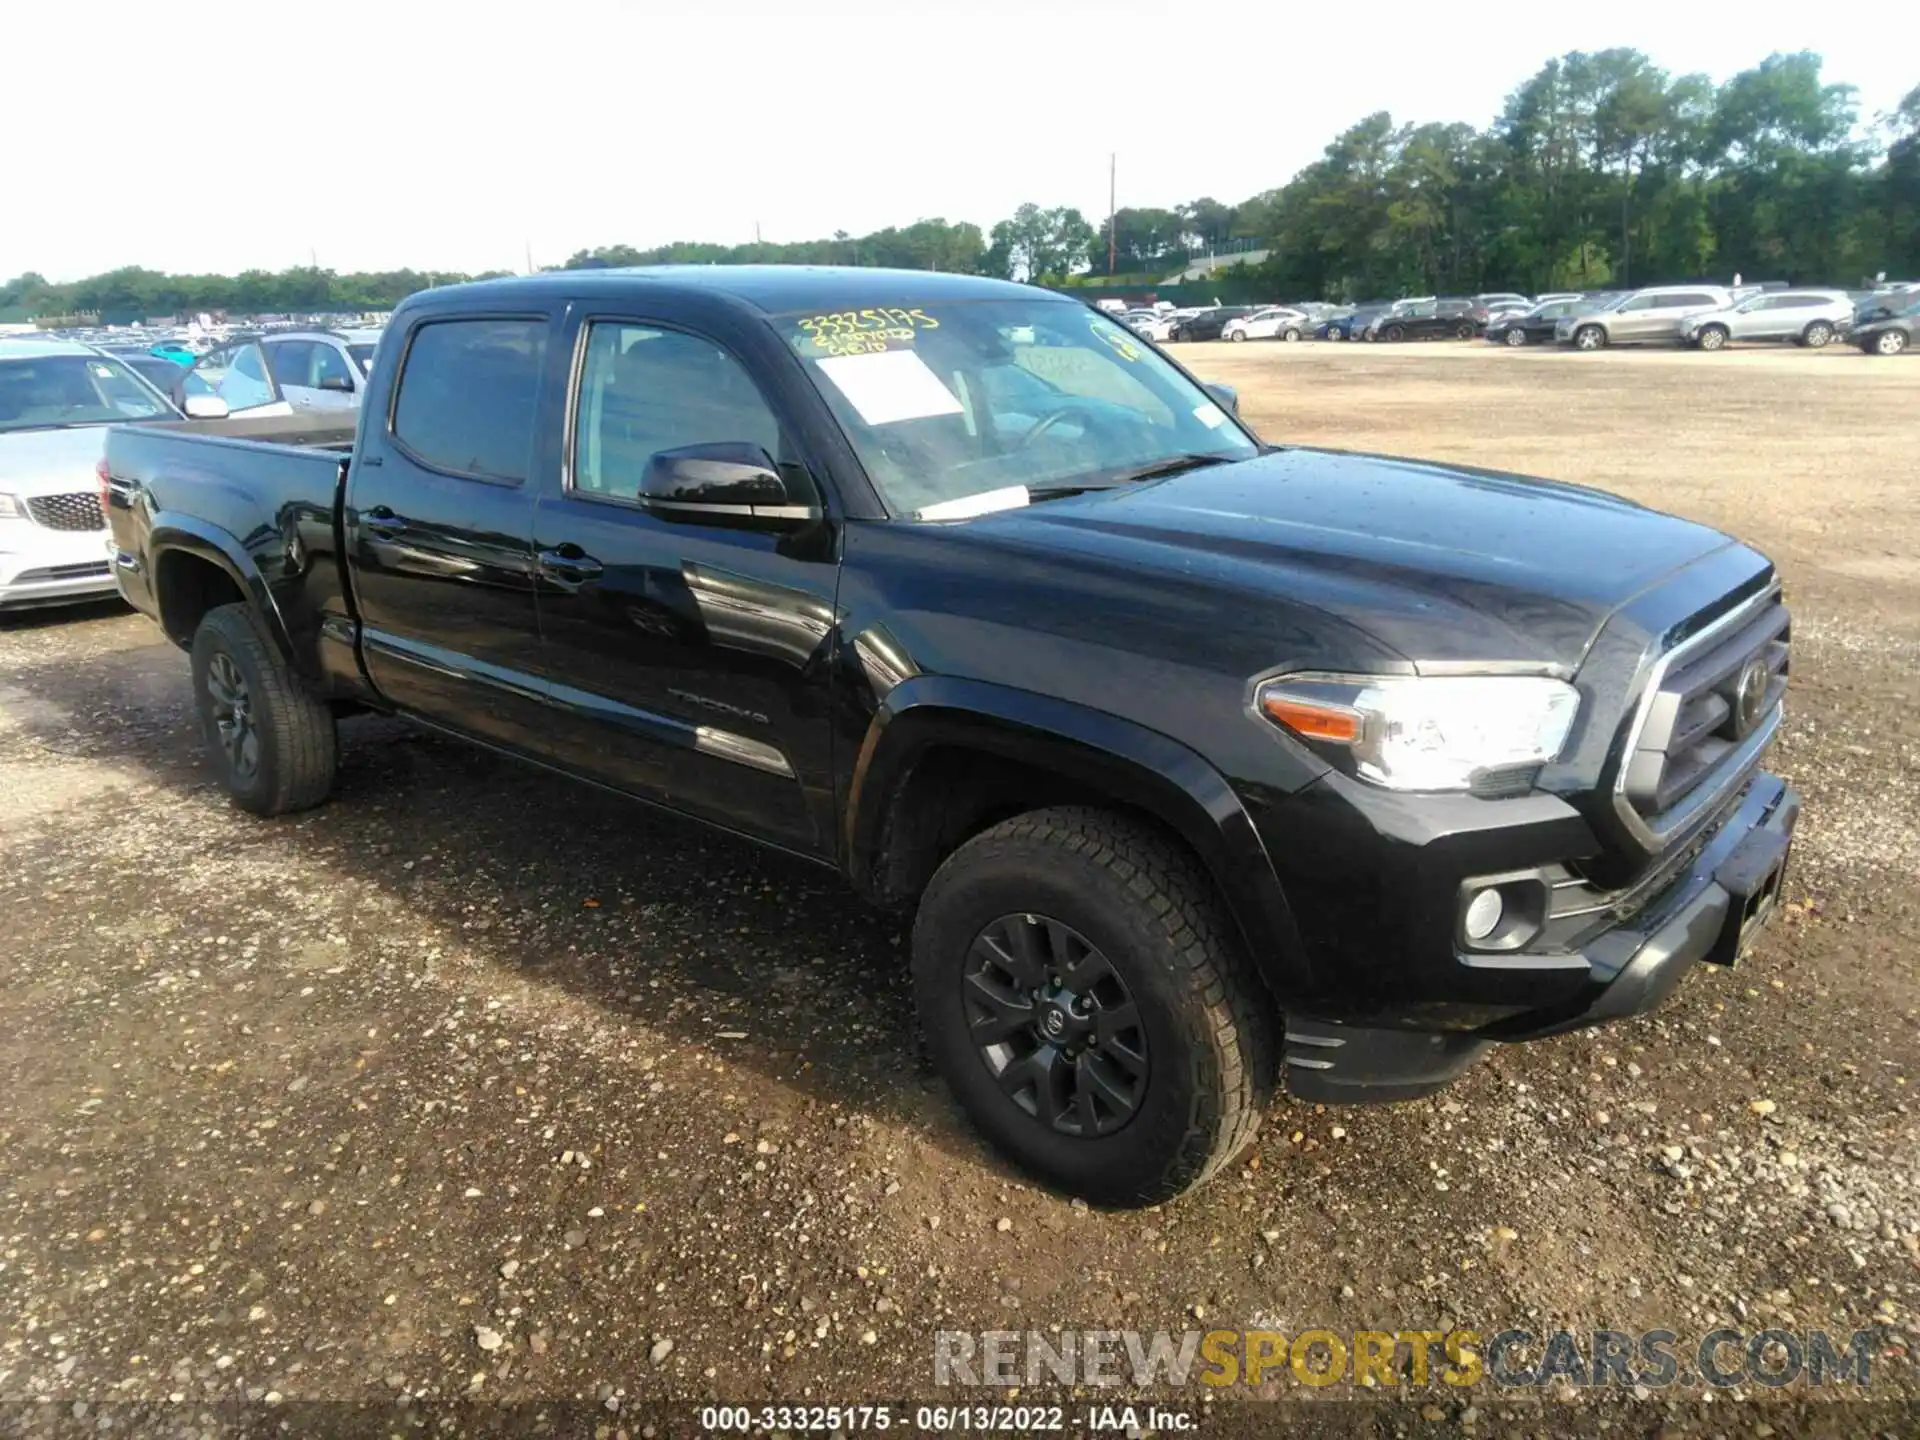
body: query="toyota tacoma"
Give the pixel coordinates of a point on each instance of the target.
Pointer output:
(1199, 761)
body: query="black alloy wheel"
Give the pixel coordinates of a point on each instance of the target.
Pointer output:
(231, 710)
(1055, 1025)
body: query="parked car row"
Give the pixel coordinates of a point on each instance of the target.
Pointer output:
(1705, 317)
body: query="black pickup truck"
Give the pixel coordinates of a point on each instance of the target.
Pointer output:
(1200, 760)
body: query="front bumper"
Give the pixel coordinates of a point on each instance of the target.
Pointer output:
(39, 566)
(1710, 911)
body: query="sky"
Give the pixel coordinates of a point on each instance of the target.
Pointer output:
(381, 134)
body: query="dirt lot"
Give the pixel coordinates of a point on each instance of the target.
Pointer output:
(478, 1084)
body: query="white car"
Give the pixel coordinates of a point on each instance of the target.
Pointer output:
(1276, 322)
(57, 398)
(1158, 328)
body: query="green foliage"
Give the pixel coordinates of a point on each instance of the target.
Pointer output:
(1601, 169)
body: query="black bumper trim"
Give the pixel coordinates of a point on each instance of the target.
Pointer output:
(1350, 1064)
(1633, 968)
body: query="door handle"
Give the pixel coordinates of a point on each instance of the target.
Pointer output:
(382, 522)
(568, 564)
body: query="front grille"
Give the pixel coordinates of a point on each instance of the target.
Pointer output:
(1714, 702)
(79, 511)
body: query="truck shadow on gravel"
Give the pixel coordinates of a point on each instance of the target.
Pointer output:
(661, 921)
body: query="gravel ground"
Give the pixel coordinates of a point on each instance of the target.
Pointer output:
(477, 1086)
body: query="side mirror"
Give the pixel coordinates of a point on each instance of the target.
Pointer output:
(1227, 395)
(342, 384)
(730, 483)
(206, 407)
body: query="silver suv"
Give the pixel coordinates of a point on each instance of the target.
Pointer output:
(1643, 315)
(1806, 317)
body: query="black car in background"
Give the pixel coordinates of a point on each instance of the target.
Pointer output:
(1208, 324)
(1535, 327)
(1447, 318)
(1888, 329)
(1353, 323)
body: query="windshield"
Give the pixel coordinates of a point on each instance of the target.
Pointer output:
(48, 392)
(950, 401)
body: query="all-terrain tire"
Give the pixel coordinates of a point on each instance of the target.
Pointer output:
(1146, 905)
(294, 752)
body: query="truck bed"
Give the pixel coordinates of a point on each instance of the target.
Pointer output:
(259, 499)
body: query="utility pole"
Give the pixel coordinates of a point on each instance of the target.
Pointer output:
(1113, 161)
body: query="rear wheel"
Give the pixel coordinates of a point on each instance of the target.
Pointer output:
(1090, 1006)
(1713, 337)
(1516, 337)
(1589, 337)
(272, 744)
(1817, 335)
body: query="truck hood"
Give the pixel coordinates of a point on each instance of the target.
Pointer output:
(1439, 563)
(51, 462)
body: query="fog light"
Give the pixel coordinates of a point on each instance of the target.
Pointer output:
(1483, 915)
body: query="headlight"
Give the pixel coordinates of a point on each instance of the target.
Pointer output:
(1433, 732)
(10, 507)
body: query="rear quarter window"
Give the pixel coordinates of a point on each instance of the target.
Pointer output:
(469, 395)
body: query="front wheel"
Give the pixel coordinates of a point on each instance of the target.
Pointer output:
(1394, 333)
(1463, 331)
(1589, 337)
(1516, 337)
(1291, 337)
(272, 744)
(1236, 335)
(1817, 335)
(1889, 342)
(1711, 338)
(1090, 1007)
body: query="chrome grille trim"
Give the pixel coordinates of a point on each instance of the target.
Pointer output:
(1734, 769)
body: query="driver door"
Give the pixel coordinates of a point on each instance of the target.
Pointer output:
(688, 663)
(313, 375)
(240, 375)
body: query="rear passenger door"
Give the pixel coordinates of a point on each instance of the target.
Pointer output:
(440, 527)
(688, 664)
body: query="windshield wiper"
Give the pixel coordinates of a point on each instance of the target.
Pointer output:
(1172, 465)
(1169, 465)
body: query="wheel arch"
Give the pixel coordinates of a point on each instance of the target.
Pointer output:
(904, 815)
(197, 566)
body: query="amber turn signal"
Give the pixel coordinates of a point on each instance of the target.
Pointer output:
(1315, 722)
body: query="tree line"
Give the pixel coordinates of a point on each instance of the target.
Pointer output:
(1601, 169)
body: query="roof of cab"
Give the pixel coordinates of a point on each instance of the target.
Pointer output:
(770, 289)
(36, 349)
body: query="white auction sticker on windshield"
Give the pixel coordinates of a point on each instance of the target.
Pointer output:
(1210, 415)
(889, 386)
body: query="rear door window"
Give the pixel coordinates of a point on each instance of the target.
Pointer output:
(469, 396)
